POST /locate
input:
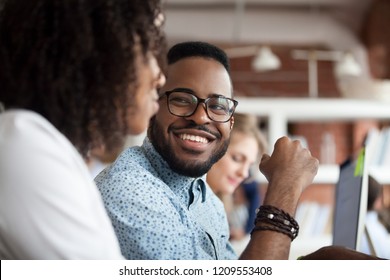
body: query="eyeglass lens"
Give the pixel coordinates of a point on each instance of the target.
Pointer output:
(184, 104)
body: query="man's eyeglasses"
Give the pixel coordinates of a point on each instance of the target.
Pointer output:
(184, 104)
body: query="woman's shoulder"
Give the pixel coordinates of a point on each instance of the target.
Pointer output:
(29, 128)
(28, 141)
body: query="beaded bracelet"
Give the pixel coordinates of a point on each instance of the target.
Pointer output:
(271, 218)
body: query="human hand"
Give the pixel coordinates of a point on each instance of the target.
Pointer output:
(337, 253)
(290, 168)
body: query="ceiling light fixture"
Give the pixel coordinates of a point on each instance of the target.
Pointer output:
(345, 65)
(265, 60)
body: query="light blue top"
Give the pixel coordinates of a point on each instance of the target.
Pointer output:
(159, 214)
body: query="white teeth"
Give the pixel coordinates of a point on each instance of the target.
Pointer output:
(194, 138)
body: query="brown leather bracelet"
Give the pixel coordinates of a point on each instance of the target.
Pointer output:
(271, 218)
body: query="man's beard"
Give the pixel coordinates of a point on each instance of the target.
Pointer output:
(183, 167)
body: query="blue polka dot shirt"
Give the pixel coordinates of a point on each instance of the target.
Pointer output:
(159, 214)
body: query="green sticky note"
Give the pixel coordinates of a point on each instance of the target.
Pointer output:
(360, 163)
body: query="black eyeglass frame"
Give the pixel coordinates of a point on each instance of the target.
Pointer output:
(200, 100)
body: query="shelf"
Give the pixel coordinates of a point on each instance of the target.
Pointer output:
(280, 111)
(302, 109)
(381, 174)
(329, 174)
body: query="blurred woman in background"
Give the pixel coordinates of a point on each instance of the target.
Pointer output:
(247, 144)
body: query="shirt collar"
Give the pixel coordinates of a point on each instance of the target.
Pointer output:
(177, 182)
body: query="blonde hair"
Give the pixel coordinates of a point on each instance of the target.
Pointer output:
(248, 125)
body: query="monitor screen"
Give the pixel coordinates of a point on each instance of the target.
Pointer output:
(350, 205)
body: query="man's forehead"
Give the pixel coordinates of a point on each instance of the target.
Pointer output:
(193, 72)
(196, 60)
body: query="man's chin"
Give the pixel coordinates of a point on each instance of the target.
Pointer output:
(192, 163)
(190, 170)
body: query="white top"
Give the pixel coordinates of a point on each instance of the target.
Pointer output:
(50, 208)
(379, 236)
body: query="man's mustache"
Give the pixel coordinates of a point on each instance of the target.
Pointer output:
(199, 127)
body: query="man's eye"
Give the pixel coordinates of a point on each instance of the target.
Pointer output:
(218, 107)
(180, 101)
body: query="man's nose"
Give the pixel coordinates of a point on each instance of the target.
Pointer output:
(200, 115)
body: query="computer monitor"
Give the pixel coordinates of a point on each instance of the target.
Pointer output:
(350, 204)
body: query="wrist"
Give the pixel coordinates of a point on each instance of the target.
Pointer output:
(274, 219)
(283, 195)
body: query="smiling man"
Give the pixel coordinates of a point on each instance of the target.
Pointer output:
(156, 194)
(192, 130)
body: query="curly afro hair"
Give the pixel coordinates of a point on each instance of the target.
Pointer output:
(73, 62)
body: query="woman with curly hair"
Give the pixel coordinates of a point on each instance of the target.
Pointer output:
(75, 75)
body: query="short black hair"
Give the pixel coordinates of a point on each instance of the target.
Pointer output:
(197, 49)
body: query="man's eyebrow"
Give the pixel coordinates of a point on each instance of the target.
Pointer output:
(188, 90)
(218, 95)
